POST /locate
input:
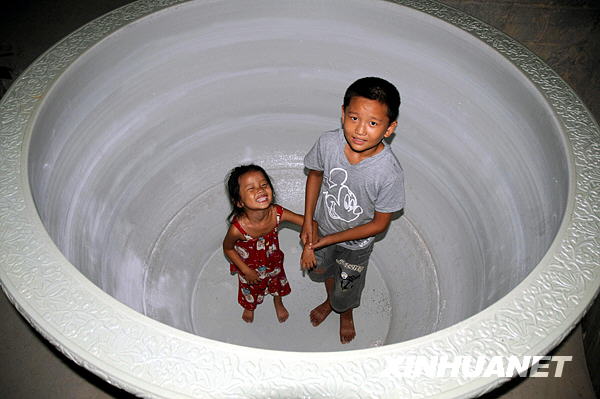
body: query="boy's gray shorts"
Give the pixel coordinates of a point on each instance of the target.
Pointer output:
(348, 268)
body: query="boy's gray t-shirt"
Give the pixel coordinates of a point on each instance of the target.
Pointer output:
(350, 194)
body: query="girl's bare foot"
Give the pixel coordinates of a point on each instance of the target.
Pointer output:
(280, 310)
(248, 316)
(320, 313)
(347, 331)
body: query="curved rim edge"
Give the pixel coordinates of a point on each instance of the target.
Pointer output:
(125, 342)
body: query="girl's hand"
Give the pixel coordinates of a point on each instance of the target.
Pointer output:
(308, 259)
(251, 276)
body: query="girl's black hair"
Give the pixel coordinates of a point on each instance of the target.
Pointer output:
(233, 187)
(378, 89)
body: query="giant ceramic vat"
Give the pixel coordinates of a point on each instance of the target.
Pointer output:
(115, 144)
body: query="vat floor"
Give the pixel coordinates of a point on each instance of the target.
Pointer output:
(564, 33)
(385, 304)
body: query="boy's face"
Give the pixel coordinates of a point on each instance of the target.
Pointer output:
(365, 124)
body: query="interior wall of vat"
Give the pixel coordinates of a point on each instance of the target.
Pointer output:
(130, 150)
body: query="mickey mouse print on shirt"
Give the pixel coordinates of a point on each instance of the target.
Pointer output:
(340, 201)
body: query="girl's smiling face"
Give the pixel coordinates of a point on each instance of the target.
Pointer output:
(255, 191)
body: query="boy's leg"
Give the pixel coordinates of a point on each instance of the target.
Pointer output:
(347, 330)
(323, 272)
(348, 286)
(320, 313)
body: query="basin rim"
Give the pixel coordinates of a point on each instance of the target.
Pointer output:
(120, 345)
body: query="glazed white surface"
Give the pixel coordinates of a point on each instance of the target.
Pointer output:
(125, 141)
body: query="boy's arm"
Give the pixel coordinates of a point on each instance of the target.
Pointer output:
(313, 186)
(380, 223)
(228, 249)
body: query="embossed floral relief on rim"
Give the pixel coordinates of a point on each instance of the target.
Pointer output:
(154, 360)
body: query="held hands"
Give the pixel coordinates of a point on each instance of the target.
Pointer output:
(308, 259)
(308, 236)
(310, 233)
(307, 233)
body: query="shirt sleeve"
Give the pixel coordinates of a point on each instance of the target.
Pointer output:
(391, 197)
(314, 158)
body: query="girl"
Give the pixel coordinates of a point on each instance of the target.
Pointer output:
(252, 243)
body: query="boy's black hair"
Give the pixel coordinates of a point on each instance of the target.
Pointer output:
(375, 89)
(233, 187)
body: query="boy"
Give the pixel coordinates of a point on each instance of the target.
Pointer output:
(354, 185)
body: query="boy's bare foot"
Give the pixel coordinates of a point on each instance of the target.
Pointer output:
(280, 310)
(320, 313)
(248, 316)
(347, 331)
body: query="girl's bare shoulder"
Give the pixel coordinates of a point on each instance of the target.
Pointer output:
(233, 233)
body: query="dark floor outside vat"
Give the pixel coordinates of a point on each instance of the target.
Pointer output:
(564, 33)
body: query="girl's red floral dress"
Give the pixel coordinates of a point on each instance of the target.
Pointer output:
(263, 255)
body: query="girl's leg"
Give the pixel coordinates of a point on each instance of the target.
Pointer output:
(246, 299)
(278, 286)
(280, 310)
(248, 315)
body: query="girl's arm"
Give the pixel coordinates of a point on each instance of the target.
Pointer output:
(231, 237)
(380, 223)
(289, 216)
(299, 220)
(313, 185)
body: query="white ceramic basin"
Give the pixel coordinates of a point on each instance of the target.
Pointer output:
(115, 145)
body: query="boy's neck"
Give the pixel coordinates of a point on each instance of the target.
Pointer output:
(356, 157)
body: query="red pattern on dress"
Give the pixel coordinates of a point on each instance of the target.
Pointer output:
(263, 255)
